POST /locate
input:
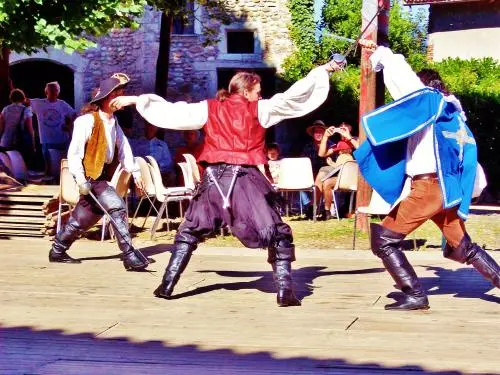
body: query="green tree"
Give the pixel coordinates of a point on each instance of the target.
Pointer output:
(28, 25)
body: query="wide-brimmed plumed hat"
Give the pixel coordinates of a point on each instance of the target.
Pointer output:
(316, 124)
(106, 87)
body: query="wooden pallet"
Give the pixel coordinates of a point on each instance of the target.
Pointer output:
(21, 212)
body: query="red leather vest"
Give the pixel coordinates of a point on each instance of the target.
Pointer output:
(233, 133)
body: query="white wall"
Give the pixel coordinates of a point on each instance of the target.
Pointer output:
(466, 44)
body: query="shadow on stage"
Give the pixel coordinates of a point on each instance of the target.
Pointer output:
(461, 283)
(26, 349)
(303, 280)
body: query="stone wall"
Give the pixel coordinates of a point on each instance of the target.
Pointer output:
(193, 70)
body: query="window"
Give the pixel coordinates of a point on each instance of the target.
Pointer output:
(185, 24)
(240, 41)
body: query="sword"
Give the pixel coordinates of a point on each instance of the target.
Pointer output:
(137, 252)
(341, 58)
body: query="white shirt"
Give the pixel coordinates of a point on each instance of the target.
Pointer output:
(401, 80)
(11, 115)
(303, 97)
(51, 118)
(114, 136)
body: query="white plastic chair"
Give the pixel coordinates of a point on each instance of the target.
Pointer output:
(149, 191)
(69, 193)
(347, 181)
(296, 175)
(377, 206)
(18, 167)
(169, 194)
(193, 167)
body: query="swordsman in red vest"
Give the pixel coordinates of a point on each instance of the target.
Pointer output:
(233, 191)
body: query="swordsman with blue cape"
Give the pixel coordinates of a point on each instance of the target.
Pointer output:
(421, 136)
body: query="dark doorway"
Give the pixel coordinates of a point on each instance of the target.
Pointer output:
(268, 85)
(32, 76)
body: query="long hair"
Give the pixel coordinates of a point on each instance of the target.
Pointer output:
(240, 82)
(431, 78)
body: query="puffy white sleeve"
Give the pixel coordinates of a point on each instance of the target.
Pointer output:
(399, 77)
(76, 152)
(125, 154)
(303, 97)
(176, 116)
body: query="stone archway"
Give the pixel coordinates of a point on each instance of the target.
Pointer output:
(32, 75)
(58, 62)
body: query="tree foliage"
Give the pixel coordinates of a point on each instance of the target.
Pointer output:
(302, 33)
(28, 25)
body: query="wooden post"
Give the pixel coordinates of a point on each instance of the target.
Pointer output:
(371, 93)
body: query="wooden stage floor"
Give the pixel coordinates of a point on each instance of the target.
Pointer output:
(95, 318)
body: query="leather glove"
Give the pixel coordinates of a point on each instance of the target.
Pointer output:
(84, 188)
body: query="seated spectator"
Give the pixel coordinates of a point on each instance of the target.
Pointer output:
(16, 126)
(273, 156)
(192, 146)
(345, 130)
(314, 146)
(158, 149)
(314, 149)
(344, 151)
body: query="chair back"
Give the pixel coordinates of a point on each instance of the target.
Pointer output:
(193, 166)
(154, 169)
(378, 206)
(120, 181)
(348, 177)
(149, 186)
(295, 174)
(69, 191)
(187, 175)
(6, 160)
(18, 169)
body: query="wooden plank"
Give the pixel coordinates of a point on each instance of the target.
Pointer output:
(22, 198)
(20, 206)
(23, 213)
(33, 191)
(19, 227)
(24, 220)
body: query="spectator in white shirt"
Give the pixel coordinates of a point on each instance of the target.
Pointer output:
(55, 121)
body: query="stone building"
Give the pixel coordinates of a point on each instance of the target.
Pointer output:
(257, 39)
(462, 28)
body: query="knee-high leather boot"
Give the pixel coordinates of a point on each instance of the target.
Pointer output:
(386, 245)
(179, 259)
(471, 253)
(281, 257)
(133, 259)
(64, 239)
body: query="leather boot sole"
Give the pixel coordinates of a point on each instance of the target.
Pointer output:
(287, 298)
(408, 305)
(64, 259)
(160, 293)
